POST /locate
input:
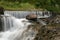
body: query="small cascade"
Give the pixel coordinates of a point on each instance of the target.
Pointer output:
(19, 14)
(23, 14)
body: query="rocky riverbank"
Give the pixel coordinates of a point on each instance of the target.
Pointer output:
(49, 32)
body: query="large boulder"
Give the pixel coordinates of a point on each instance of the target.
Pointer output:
(31, 17)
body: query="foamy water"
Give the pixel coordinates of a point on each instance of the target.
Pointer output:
(16, 28)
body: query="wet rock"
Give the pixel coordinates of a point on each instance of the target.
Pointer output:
(57, 38)
(31, 17)
(57, 19)
(46, 34)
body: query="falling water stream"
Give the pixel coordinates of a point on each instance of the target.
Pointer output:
(15, 28)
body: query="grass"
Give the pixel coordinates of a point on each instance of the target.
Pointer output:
(16, 6)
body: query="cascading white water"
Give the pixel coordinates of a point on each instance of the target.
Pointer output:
(15, 26)
(19, 14)
(14, 29)
(22, 14)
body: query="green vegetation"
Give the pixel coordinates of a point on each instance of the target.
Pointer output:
(16, 5)
(51, 5)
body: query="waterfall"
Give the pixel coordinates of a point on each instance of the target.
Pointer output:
(19, 14)
(15, 28)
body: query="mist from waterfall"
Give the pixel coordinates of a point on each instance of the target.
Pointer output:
(15, 29)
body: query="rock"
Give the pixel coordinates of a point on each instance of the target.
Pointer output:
(31, 17)
(57, 19)
(1, 10)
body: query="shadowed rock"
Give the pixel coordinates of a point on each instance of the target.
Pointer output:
(1, 13)
(1, 10)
